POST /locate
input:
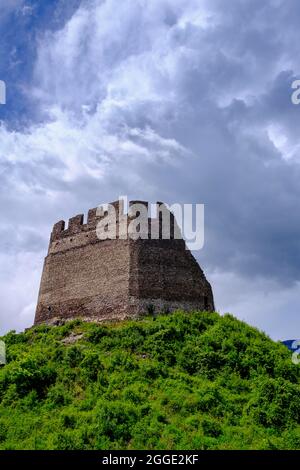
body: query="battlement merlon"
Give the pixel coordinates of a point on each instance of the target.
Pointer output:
(75, 224)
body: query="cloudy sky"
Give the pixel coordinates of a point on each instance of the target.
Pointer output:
(174, 100)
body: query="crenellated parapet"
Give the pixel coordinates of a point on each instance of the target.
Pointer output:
(114, 212)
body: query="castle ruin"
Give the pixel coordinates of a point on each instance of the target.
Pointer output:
(117, 278)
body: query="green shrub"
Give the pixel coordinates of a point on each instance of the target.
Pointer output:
(116, 420)
(275, 403)
(176, 381)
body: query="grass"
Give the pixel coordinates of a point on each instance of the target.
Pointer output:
(177, 381)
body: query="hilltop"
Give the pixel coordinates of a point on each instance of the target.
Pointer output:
(178, 381)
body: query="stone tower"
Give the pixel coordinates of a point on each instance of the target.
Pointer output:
(118, 277)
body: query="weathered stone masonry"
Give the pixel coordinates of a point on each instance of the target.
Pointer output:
(84, 277)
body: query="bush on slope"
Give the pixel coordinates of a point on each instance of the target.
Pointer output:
(179, 381)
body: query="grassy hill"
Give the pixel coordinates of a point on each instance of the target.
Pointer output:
(180, 381)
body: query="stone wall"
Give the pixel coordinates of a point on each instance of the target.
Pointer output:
(166, 277)
(117, 278)
(89, 281)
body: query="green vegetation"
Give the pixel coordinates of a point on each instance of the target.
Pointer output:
(179, 381)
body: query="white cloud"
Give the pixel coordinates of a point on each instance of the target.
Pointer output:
(19, 280)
